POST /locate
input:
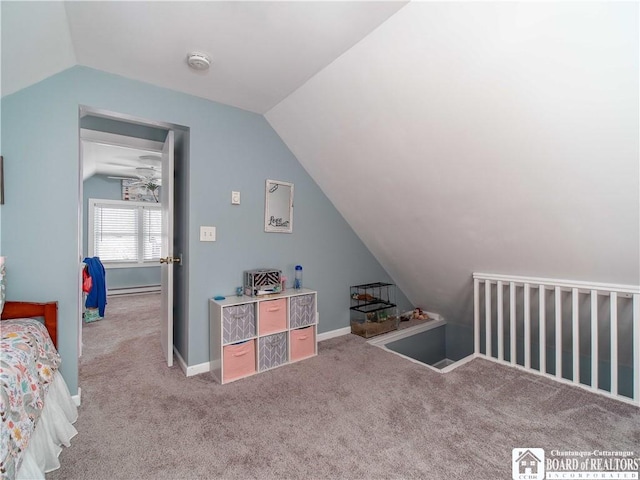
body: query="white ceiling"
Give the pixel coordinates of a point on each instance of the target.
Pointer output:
(497, 137)
(116, 155)
(261, 51)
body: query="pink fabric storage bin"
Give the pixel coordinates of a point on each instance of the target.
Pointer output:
(239, 360)
(303, 343)
(273, 316)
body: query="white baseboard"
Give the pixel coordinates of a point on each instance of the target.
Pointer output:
(181, 363)
(198, 369)
(190, 371)
(333, 333)
(77, 398)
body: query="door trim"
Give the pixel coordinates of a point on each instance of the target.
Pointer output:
(83, 111)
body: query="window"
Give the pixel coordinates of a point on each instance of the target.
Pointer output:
(124, 233)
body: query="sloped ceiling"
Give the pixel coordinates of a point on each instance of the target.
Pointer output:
(490, 137)
(261, 51)
(35, 43)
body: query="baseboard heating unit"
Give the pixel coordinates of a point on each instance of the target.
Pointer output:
(134, 290)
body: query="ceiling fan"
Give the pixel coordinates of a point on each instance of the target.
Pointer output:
(142, 176)
(147, 175)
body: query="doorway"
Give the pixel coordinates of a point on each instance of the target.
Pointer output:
(133, 159)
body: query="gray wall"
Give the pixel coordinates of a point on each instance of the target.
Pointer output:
(101, 186)
(229, 149)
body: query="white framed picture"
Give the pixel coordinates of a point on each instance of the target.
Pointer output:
(136, 191)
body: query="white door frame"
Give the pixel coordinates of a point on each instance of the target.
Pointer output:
(120, 117)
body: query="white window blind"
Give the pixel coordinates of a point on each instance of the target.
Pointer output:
(152, 223)
(124, 232)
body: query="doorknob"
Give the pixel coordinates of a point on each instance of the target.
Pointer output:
(170, 260)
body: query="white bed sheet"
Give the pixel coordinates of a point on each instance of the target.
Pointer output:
(54, 429)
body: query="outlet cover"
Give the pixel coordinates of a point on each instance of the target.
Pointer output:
(207, 234)
(235, 198)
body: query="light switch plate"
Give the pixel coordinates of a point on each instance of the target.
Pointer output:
(235, 198)
(207, 234)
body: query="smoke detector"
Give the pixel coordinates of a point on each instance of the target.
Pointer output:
(198, 61)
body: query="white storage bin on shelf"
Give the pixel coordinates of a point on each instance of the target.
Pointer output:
(254, 334)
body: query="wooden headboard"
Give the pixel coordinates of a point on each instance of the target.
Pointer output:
(48, 310)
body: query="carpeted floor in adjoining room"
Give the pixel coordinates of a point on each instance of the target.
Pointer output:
(353, 412)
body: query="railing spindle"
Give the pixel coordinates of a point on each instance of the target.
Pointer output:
(558, 300)
(543, 329)
(500, 321)
(527, 326)
(575, 318)
(512, 323)
(487, 317)
(614, 343)
(594, 339)
(476, 315)
(636, 348)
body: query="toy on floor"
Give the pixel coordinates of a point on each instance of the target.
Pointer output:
(419, 314)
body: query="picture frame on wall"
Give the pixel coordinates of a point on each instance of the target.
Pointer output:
(133, 190)
(278, 207)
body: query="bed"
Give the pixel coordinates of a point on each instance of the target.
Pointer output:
(36, 409)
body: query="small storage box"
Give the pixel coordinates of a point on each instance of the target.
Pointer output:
(272, 351)
(303, 343)
(239, 360)
(273, 316)
(262, 281)
(303, 311)
(238, 323)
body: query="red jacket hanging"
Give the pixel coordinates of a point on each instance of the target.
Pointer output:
(87, 282)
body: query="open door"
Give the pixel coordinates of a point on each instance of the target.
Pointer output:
(166, 251)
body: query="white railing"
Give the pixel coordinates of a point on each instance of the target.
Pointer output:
(566, 324)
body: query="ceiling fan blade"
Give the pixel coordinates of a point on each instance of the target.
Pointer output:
(143, 182)
(120, 164)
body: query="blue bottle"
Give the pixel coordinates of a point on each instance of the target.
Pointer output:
(297, 282)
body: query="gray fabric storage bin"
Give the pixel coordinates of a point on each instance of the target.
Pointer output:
(302, 310)
(238, 323)
(272, 351)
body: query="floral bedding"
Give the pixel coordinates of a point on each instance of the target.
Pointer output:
(28, 361)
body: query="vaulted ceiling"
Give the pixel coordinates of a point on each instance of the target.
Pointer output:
(452, 136)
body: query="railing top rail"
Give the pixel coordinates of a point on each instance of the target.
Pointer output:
(554, 282)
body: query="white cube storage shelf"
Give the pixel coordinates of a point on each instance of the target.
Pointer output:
(250, 335)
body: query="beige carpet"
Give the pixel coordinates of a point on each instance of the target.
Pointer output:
(354, 411)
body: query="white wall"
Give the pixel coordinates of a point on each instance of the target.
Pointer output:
(497, 137)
